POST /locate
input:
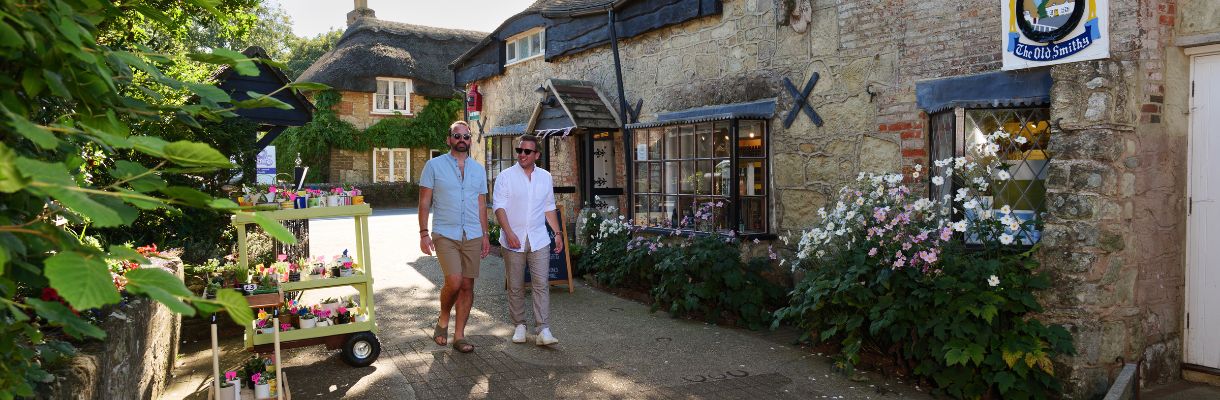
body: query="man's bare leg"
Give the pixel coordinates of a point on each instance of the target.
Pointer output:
(449, 297)
(465, 300)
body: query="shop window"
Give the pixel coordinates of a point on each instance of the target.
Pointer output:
(525, 46)
(681, 169)
(393, 96)
(1023, 154)
(391, 165)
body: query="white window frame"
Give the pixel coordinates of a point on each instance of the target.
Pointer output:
(407, 173)
(390, 92)
(524, 37)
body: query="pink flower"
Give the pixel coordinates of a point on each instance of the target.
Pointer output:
(928, 256)
(946, 233)
(285, 326)
(906, 246)
(271, 189)
(230, 375)
(342, 310)
(872, 252)
(281, 257)
(257, 377)
(899, 263)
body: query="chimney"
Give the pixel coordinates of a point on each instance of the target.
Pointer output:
(361, 10)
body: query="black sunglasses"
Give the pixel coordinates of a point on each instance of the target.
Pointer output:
(460, 136)
(525, 151)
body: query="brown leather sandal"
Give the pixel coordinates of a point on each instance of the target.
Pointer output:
(440, 335)
(463, 345)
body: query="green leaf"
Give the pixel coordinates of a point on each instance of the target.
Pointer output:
(242, 64)
(59, 315)
(84, 281)
(209, 92)
(236, 305)
(259, 100)
(160, 286)
(141, 200)
(274, 228)
(223, 204)
(1004, 380)
(9, 38)
(40, 135)
(193, 154)
(188, 195)
(126, 170)
(11, 179)
(17, 313)
(53, 179)
(126, 253)
(974, 352)
(56, 83)
(308, 86)
(150, 145)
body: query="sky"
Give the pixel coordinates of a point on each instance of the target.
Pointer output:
(312, 17)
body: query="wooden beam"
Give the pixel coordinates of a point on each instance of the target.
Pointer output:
(274, 132)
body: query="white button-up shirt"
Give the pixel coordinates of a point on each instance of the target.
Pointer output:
(525, 202)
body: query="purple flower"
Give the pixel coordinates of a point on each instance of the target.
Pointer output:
(872, 252)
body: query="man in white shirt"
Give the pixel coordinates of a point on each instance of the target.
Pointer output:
(524, 199)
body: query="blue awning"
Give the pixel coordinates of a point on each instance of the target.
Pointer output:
(759, 109)
(507, 130)
(988, 90)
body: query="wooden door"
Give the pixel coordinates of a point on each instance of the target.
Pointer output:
(1203, 222)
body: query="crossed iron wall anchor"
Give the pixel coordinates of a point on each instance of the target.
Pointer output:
(801, 102)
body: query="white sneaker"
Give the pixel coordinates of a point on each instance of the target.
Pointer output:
(519, 334)
(545, 338)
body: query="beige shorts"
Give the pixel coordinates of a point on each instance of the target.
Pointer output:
(458, 257)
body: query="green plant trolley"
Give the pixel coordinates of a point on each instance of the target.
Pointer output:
(357, 339)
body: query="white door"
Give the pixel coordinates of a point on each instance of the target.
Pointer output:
(1203, 223)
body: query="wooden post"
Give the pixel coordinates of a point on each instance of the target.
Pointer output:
(215, 360)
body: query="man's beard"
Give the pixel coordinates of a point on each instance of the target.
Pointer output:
(460, 147)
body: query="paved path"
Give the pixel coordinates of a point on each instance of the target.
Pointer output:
(609, 347)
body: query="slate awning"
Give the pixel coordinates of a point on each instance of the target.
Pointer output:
(507, 130)
(569, 105)
(758, 109)
(989, 90)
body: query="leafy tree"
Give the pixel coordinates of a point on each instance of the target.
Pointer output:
(87, 144)
(302, 52)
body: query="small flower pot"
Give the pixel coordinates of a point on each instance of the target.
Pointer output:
(266, 331)
(362, 318)
(309, 323)
(334, 272)
(232, 392)
(333, 201)
(358, 199)
(300, 202)
(270, 197)
(287, 205)
(262, 391)
(346, 272)
(314, 202)
(321, 323)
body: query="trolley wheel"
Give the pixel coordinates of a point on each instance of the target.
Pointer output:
(361, 349)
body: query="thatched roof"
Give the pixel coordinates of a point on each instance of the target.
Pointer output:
(545, 8)
(372, 48)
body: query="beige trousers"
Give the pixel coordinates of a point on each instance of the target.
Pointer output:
(539, 263)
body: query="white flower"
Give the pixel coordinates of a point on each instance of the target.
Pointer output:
(915, 175)
(1006, 209)
(1020, 139)
(993, 281)
(942, 163)
(1014, 225)
(970, 205)
(936, 180)
(959, 162)
(960, 226)
(1002, 175)
(1005, 238)
(961, 194)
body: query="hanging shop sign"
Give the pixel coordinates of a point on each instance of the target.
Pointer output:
(1047, 32)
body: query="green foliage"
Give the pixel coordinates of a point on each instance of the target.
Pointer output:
(302, 52)
(693, 275)
(96, 135)
(971, 339)
(314, 140)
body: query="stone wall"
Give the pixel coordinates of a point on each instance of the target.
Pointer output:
(349, 166)
(1114, 239)
(357, 108)
(135, 359)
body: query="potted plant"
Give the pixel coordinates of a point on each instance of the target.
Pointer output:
(357, 196)
(323, 316)
(263, 324)
(308, 320)
(342, 316)
(262, 384)
(335, 197)
(253, 366)
(330, 304)
(230, 387)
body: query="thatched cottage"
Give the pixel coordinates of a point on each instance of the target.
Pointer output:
(382, 70)
(771, 106)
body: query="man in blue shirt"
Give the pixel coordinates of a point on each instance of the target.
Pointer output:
(453, 187)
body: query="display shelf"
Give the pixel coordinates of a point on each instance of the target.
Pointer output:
(308, 213)
(325, 282)
(299, 334)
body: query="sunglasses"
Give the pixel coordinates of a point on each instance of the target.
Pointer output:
(526, 151)
(459, 136)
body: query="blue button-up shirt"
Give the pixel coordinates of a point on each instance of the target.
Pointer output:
(455, 199)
